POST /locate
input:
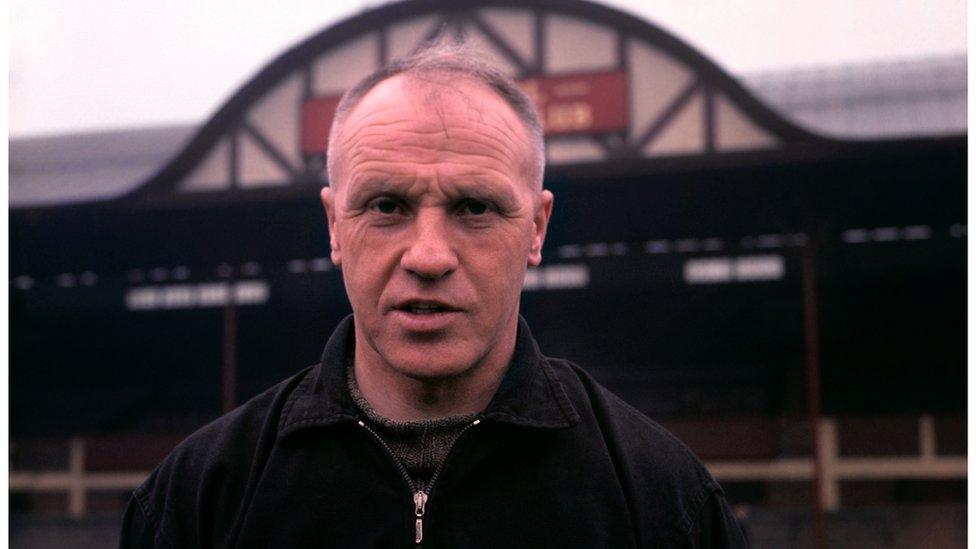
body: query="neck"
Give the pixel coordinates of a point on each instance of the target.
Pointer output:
(399, 397)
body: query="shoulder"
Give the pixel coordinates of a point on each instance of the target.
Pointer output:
(208, 473)
(633, 432)
(653, 466)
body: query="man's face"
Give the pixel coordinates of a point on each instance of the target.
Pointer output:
(433, 221)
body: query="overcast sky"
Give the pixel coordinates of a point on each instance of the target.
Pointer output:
(79, 66)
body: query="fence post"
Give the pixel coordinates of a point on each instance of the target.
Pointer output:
(76, 474)
(829, 452)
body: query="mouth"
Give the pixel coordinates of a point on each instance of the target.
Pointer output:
(424, 307)
(424, 316)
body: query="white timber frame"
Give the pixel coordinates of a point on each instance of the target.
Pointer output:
(676, 104)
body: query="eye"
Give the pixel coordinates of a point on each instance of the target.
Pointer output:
(473, 207)
(386, 206)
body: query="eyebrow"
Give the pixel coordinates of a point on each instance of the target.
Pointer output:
(484, 190)
(473, 187)
(372, 185)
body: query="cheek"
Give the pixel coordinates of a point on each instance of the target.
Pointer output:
(365, 260)
(500, 259)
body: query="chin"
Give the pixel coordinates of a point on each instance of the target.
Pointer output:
(428, 364)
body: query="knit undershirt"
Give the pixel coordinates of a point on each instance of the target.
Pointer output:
(420, 446)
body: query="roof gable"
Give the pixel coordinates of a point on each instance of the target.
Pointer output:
(608, 85)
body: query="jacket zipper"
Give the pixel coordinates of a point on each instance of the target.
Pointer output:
(420, 497)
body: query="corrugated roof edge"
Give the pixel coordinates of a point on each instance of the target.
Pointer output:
(61, 169)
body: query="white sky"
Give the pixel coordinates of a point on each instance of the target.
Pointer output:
(77, 66)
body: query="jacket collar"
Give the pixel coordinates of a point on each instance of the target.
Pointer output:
(530, 395)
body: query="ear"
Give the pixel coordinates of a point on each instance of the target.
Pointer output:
(540, 221)
(328, 201)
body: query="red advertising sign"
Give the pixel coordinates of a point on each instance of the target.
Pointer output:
(569, 104)
(317, 114)
(580, 103)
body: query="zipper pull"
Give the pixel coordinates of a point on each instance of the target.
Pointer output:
(419, 506)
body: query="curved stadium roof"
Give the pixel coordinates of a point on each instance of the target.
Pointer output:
(675, 94)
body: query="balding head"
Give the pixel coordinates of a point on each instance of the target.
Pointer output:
(440, 65)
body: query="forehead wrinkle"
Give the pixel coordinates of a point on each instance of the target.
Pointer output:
(383, 166)
(461, 145)
(461, 134)
(366, 142)
(389, 153)
(503, 135)
(350, 135)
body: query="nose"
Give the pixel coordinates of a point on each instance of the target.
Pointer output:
(430, 254)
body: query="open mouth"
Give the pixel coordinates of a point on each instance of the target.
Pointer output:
(424, 317)
(424, 308)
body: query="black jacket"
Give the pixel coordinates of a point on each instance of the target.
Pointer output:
(556, 461)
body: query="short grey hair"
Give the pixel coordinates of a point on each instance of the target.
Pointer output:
(442, 56)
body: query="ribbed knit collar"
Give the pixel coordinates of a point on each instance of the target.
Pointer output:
(400, 426)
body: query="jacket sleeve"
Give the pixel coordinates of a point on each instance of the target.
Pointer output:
(716, 526)
(137, 532)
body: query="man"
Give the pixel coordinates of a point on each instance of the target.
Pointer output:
(433, 419)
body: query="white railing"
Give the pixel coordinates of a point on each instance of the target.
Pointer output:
(77, 482)
(834, 468)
